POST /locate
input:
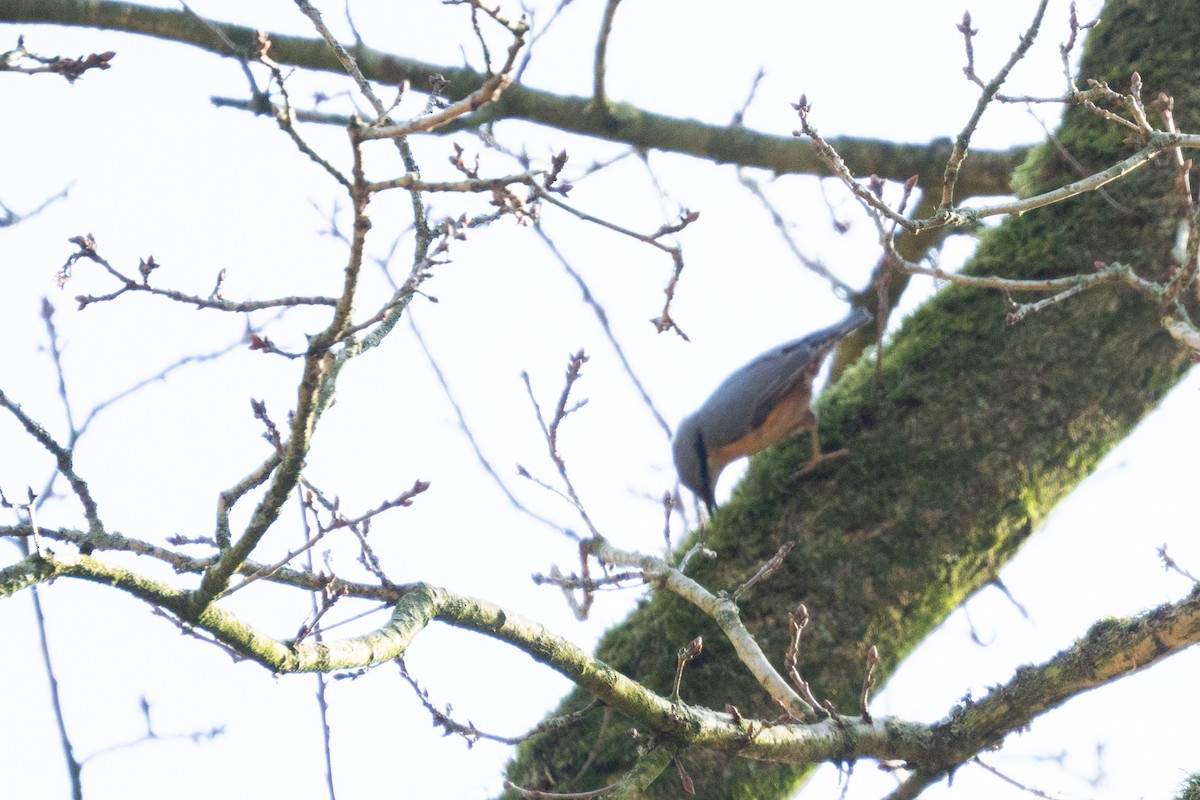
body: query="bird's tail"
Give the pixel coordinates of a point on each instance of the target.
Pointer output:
(840, 330)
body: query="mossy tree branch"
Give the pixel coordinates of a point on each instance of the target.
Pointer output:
(1111, 650)
(974, 431)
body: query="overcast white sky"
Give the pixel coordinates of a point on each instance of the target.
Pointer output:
(155, 170)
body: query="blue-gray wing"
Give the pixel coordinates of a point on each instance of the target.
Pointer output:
(742, 402)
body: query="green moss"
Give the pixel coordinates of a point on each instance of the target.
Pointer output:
(975, 431)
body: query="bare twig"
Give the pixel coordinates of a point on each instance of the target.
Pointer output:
(22, 60)
(765, 571)
(588, 584)
(599, 97)
(602, 317)
(721, 609)
(550, 430)
(868, 681)
(1079, 168)
(470, 436)
(685, 656)
(797, 620)
(64, 459)
(534, 794)
(87, 250)
(841, 289)
(347, 61)
(1024, 787)
(285, 116)
(472, 734)
(74, 765)
(151, 735)
(962, 142)
(490, 92)
(838, 167)
(9, 217)
(1171, 565)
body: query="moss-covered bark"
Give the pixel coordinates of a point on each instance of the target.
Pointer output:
(978, 429)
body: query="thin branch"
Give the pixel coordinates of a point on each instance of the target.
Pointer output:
(721, 609)
(64, 459)
(649, 238)
(284, 115)
(597, 746)
(488, 93)
(599, 97)
(271, 569)
(550, 430)
(318, 636)
(349, 65)
(472, 734)
(158, 377)
(765, 571)
(8, 217)
(1012, 781)
(602, 317)
(185, 564)
(534, 794)
(963, 140)
(797, 621)
(470, 436)
(838, 167)
(841, 289)
(153, 736)
(1171, 565)
(1159, 143)
(74, 766)
(87, 250)
(22, 60)
(369, 560)
(412, 182)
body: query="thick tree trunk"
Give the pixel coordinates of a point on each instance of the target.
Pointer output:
(977, 430)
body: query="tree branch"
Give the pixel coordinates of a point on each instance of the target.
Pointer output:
(986, 173)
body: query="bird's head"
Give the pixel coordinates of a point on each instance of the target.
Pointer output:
(691, 462)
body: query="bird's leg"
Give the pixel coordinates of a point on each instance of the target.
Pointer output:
(817, 455)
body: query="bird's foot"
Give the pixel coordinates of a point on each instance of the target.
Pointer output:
(816, 461)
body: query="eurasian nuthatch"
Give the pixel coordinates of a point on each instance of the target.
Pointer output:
(764, 402)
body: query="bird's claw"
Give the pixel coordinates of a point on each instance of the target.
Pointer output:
(816, 461)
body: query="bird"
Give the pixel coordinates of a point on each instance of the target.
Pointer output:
(764, 402)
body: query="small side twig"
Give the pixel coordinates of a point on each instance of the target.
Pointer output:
(685, 780)
(599, 97)
(472, 734)
(602, 318)
(534, 794)
(797, 620)
(86, 245)
(64, 460)
(597, 745)
(842, 289)
(868, 682)
(1024, 787)
(962, 142)
(684, 657)
(765, 571)
(1171, 565)
(550, 429)
(20, 59)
